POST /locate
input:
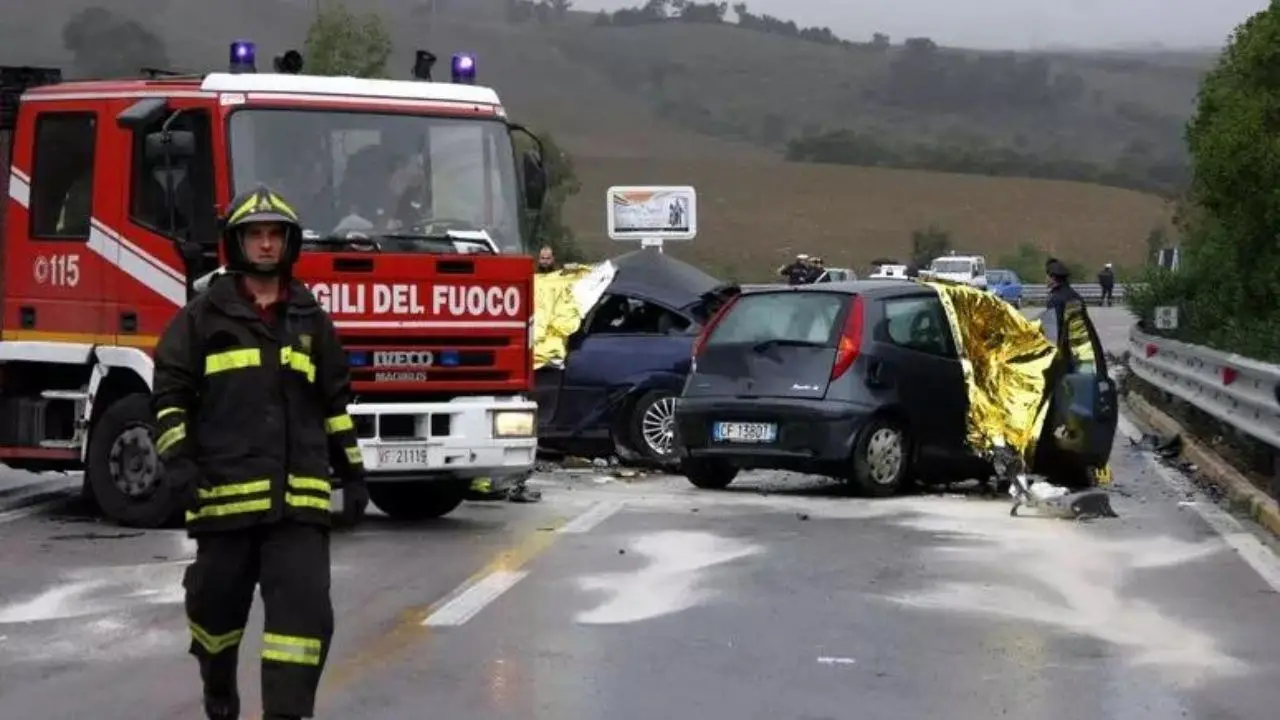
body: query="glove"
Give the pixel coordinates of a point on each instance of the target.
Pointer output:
(183, 479)
(355, 499)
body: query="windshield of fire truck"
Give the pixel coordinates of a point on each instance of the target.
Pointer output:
(370, 173)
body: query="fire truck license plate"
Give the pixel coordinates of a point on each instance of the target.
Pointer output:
(402, 457)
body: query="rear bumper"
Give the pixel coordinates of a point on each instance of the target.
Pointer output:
(465, 438)
(809, 431)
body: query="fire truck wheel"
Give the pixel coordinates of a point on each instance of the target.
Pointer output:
(652, 426)
(416, 500)
(123, 469)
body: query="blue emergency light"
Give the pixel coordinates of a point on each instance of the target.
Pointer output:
(358, 359)
(449, 358)
(463, 67)
(244, 57)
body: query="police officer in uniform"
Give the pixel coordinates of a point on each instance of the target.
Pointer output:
(250, 396)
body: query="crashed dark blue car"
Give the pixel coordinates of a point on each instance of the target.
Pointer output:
(627, 362)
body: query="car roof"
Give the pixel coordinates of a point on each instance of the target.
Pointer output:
(868, 288)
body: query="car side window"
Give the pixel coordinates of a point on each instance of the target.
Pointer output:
(918, 323)
(622, 315)
(62, 176)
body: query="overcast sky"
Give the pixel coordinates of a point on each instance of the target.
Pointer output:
(1013, 24)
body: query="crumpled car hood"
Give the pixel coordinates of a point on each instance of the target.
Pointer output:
(561, 300)
(1006, 360)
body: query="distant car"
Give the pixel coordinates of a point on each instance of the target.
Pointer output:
(890, 272)
(968, 269)
(862, 382)
(836, 275)
(1007, 285)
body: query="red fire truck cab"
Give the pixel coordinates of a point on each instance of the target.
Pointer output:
(418, 209)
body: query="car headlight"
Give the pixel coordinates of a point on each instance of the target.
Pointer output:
(513, 424)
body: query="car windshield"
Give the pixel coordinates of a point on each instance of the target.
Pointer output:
(951, 266)
(999, 276)
(808, 317)
(367, 174)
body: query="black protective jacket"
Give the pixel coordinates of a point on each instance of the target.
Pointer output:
(253, 415)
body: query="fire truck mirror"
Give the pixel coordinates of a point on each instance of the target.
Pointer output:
(165, 146)
(535, 181)
(143, 113)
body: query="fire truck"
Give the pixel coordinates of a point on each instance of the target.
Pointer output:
(418, 196)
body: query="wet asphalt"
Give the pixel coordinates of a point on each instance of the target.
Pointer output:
(779, 598)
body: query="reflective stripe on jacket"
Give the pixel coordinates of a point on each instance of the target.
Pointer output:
(253, 414)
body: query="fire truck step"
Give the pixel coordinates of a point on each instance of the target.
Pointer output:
(60, 444)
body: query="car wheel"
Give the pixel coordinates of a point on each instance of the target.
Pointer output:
(881, 458)
(416, 500)
(653, 426)
(709, 474)
(123, 470)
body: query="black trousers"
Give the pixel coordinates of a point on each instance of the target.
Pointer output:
(290, 561)
(1107, 295)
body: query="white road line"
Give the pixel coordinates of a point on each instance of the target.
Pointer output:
(1252, 550)
(589, 520)
(471, 601)
(468, 600)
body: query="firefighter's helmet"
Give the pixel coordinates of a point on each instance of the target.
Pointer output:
(260, 205)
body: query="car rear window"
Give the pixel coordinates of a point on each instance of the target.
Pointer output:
(797, 316)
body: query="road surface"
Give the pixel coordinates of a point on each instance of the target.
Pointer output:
(778, 598)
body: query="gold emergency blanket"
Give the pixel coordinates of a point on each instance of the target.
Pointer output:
(561, 299)
(1005, 358)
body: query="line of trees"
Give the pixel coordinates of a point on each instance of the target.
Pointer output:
(973, 156)
(716, 13)
(1227, 287)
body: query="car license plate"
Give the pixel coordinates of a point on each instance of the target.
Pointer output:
(402, 457)
(741, 432)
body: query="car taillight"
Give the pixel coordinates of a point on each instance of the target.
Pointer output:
(710, 327)
(850, 343)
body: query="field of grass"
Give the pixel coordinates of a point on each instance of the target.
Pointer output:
(754, 217)
(594, 90)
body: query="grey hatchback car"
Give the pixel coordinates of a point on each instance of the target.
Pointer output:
(860, 381)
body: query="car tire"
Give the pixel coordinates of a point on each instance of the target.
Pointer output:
(416, 500)
(881, 458)
(123, 471)
(651, 426)
(709, 474)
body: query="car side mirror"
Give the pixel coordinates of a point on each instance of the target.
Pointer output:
(574, 341)
(535, 181)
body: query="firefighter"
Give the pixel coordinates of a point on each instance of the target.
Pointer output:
(250, 396)
(1071, 316)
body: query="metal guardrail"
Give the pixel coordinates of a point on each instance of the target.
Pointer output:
(1239, 391)
(1091, 292)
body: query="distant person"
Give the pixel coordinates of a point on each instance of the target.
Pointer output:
(546, 260)
(797, 272)
(1107, 281)
(817, 268)
(1058, 280)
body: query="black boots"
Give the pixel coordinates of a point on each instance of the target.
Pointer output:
(221, 697)
(221, 708)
